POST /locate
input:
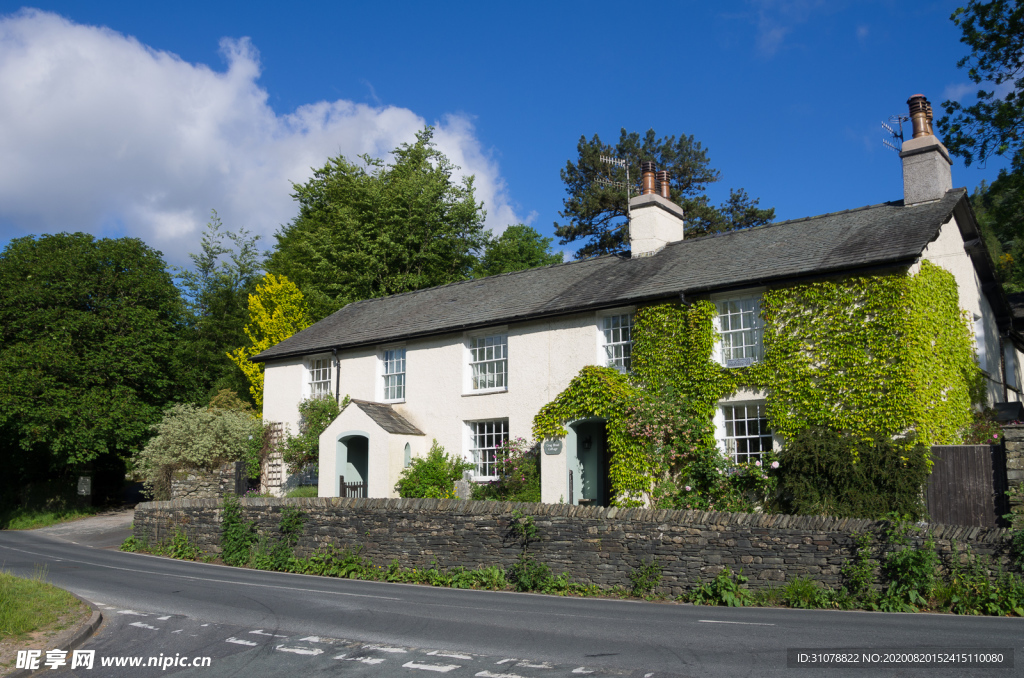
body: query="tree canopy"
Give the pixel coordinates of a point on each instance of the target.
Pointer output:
(377, 229)
(88, 354)
(993, 125)
(596, 212)
(518, 248)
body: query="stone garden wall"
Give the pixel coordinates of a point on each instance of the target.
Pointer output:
(194, 484)
(1013, 437)
(594, 544)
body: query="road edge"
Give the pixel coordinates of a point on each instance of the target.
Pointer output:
(82, 634)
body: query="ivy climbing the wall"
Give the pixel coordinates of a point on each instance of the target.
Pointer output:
(888, 355)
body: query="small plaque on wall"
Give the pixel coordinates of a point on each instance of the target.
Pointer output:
(553, 446)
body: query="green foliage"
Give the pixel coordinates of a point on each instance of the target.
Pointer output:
(181, 547)
(726, 589)
(910, 571)
(432, 476)
(518, 470)
(276, 311)
(859, 574)
(645, 578)
(216, 291)
(276, 552)
(315, 415)
(596, 211)
(518, 248)
(303, 491)
(237, 536)
(88, 352)
(828, 473)
(132, 545)
(28, 605)
(1017, 549)
(191, 437)
(992, 125)
(371, 230)
(999, 208)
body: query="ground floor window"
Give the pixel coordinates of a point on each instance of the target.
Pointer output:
(745, 434)
(485, 439)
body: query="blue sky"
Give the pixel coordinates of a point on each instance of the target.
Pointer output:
(128, 118)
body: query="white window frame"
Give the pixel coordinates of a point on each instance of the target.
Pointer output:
(473, 450)
(602, 340)
(469, 383)
(749, 296)
(319, 376)
(722, 427)
(382, 374)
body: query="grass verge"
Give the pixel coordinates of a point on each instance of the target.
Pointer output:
(30, 605)
(30, 518)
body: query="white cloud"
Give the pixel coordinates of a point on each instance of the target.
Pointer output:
(776, 19)
(101, 133)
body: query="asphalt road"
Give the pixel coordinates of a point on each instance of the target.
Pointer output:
(254, 624)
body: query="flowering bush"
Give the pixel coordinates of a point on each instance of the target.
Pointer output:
(983, 429)
(688, 471)
(518, 466)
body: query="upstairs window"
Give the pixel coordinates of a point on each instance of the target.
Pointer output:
(393, 361)
(618, 341)
(488, 361)
(746, 433)
(319, 377)
(486, 437)
(739, 329)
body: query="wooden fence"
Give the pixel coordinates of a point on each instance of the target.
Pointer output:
(968, 485)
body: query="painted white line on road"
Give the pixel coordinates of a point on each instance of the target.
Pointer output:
(144, 626)
(163, 618)
(527, 665)
(382, 648)
(206, 579)
(717, 621)
(488, 674)
(132, 612)
(310, 651)
(178, 631)
(366, 660)
(204, 624)
(582, 669)
(239, 641)
(437, 653)
(505, 661)
(439, 668)
(310, 639)
(261, 632)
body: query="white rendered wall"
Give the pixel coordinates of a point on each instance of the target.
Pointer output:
(283, 382)
(948, 252)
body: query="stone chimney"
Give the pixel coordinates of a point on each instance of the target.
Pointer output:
(926, 162)
(655, 221)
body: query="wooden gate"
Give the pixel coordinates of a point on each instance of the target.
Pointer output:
(352, 489)
(968, 485)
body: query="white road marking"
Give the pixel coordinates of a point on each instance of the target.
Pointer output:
(178, 631)
(366, 660)
(342, 655)
(382, 648)
(132, 612)
(488, 674)
(439, 668)
(582, 669)
(239, 641)
(436, 653)
(504, 661)
(310, 639)
(717, 621)
(260, 632)
(163, 618)
(204, 624)
(207, 579)
(311, 651)
(144, 626)
(527, 665)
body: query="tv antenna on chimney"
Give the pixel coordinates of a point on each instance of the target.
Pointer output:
(626, 185)
(897, 133)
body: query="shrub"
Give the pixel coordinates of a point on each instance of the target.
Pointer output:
(825, 472)
(645, 578)
(304, 491)
(433, 476)
(518, 468)
(196, 438)
(236, 535)
(315, 415)
(726, 589)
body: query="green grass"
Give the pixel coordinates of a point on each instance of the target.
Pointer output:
(304, 491)
(30, 518)
(27, 605)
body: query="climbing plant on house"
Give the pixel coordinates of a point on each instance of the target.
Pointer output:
(887, 355)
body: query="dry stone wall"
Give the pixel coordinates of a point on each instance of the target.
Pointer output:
(593, 544)
(1013, 437)
(195, 484)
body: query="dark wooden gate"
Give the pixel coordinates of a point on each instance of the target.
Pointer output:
(352, 489)
(968, 485)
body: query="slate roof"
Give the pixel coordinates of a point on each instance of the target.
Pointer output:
(386, 417)
(877, 235)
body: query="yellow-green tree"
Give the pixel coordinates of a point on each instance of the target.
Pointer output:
(276, 311)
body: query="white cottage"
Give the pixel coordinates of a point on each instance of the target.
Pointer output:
(471, 363)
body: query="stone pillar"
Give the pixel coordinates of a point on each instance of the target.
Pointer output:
(1013, 436)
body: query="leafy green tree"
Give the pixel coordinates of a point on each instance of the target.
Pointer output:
(380, 229)
(999, 207)
(518, 248)
(88, 356)
(993, 125)
(596, 212)
(216, 290)
(277, 310)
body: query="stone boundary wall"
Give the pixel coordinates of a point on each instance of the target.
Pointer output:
(1013, 439)
(196, 484)
(594, 544)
